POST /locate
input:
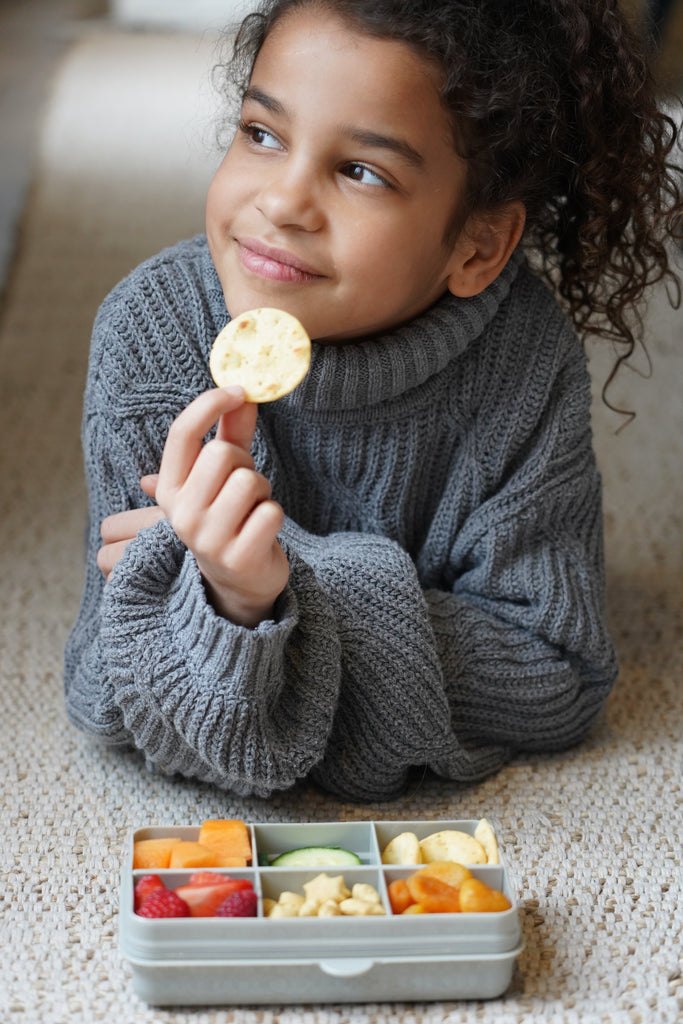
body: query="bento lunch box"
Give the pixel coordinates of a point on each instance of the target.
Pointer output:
(262, 960)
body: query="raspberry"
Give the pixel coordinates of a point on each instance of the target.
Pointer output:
(164, 903)
(144, 888)
(241, 903)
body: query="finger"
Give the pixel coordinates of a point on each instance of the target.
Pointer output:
(238, 427)
(213, 468)
(109, 555)
(149, 484)
(210, 531)
(125, 525)
(259, 531)
(237, 500)
(187, 432)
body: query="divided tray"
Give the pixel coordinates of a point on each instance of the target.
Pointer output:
(259, 960)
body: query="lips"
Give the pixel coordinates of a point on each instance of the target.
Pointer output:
(274, 264)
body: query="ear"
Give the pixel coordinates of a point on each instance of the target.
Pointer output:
(483, 247)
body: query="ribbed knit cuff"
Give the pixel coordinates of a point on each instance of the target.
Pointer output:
(205, 697)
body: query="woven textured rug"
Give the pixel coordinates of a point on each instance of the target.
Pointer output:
(594, 836)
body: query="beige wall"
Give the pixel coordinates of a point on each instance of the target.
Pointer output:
(197, 15)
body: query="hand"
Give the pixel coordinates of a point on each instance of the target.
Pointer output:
(220, 507)
(118, 531)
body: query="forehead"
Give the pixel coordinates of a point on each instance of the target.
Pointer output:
(317, 57)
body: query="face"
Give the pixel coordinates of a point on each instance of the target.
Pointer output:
(334, 198)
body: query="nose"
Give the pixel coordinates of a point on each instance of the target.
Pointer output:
(292, 197)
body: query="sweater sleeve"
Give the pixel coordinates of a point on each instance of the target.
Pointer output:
(509, 652)
(150, 664)
(521, 634)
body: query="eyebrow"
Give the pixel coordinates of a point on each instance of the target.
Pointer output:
(363, 136)
(376, 140)
(264, 99)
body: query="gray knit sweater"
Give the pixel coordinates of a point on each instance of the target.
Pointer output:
(445, 605)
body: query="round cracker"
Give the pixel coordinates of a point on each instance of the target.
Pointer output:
(485, 835)
(452, 844)
(265, 351)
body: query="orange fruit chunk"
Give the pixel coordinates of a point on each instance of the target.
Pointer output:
(399, 895)
(229, 841)
(478, 897)
(447, 871)
(414, 908)
(153, 853)
(188, 854)
(435, 896)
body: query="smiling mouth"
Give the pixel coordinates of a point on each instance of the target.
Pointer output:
(274, 264)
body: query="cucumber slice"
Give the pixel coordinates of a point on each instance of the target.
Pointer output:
(316, 857)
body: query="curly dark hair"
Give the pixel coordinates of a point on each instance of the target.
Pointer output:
(553, 104)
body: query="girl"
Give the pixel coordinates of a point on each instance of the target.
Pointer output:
(400, 563)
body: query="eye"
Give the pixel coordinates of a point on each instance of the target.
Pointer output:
(364, 175)
(259, 136)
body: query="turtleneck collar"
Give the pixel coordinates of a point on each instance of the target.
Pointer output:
(365, 372)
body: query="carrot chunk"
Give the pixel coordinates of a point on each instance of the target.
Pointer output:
(399, 895)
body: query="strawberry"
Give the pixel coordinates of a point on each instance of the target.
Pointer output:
(241, 903)
(144, 887)
(203, 899)
(211, 878)
(164, 903)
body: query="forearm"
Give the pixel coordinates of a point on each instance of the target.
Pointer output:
(360, 674)
(204, 697)
(89, 698)
(392, 712)
(514, 655)
(509, 684)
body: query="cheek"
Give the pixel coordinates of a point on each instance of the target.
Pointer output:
(374, 244)
(393, 257)
(213, 205)
(220, 195)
